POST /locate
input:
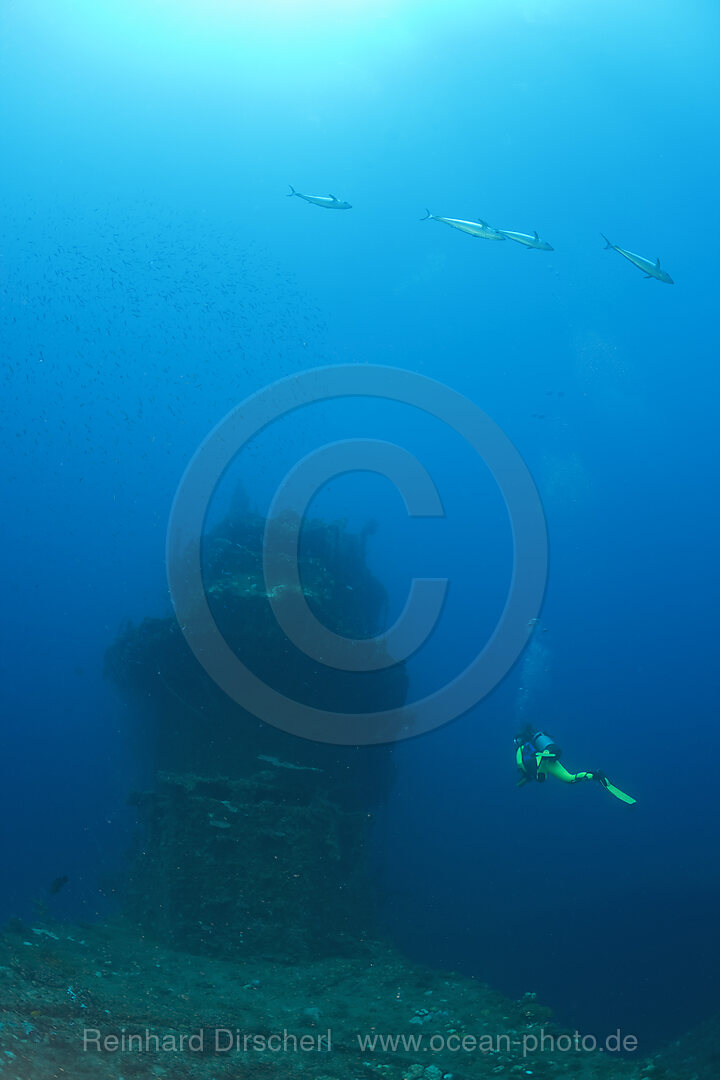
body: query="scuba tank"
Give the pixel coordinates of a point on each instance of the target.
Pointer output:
(545, 743)
(530, 744)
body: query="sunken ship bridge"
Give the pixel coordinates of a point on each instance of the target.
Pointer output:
(252, 840)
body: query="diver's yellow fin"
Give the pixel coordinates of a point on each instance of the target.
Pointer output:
(619, 794)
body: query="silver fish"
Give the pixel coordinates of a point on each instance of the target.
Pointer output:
(478, 228)
(530, 240)
(650, 269)
(330, 202)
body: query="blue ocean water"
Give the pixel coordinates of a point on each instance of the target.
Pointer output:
(153, 274)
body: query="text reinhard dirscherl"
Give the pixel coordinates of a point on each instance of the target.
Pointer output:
(223, 1040)
(219, 1040)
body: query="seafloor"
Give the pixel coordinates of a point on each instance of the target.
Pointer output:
(66, 989)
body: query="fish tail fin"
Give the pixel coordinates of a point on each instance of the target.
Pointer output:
(607, 242)
(427, 215)
(291, 192)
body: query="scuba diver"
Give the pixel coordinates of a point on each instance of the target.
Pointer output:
(538, 756)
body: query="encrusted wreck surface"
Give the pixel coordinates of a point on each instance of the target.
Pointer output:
(259, 865)
(253, 840)
(192, 726)
(72, 998)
